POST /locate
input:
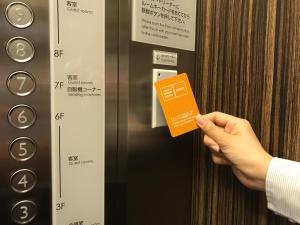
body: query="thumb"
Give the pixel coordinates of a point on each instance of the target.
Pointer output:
(213, 131)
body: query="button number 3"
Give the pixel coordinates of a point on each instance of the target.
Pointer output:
(24, 212)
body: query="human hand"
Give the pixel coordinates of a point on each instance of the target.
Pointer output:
(233, 142)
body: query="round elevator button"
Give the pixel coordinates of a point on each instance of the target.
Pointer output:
(20, 49)
(22, 116)
(24, 212)
(23, 181)
(22, 149)
(20, 83)
(19, 15)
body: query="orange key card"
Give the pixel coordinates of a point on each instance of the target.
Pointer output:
(178, 103)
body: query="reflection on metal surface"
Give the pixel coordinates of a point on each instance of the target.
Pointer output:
(24, 212)
(22, 149)
(20, 49)
(21, 83)
(21, 116)
(155, 169)
(19, 15)
(23, 181)
(19, 57)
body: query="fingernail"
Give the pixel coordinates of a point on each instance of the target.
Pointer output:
(201, 121)
(215, 148)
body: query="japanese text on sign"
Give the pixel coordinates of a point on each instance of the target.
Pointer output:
(168, 23)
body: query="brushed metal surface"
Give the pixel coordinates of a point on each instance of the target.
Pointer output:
(155, 170)
(114, 200)
(39, 68)
(159, 166)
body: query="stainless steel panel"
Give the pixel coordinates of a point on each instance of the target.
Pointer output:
(159, 166)
(115, 210)
(39, 68)
(155, 170)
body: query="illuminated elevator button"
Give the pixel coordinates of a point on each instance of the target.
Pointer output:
(23, 181)
(21, 83)
(19, 15)
(22, 116)
(22, 149)
(24, 212)
(20, 49)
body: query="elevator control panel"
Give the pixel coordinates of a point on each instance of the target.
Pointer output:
(52, 108)
(25, 142)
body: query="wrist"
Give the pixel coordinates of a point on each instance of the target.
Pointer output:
(263, 171)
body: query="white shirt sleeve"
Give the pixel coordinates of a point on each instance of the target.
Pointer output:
(283, 188)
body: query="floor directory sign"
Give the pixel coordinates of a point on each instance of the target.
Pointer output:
(78, 111)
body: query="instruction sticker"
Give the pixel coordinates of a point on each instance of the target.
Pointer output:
(178, 103)
(170, 23)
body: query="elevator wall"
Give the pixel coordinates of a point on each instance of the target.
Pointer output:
(248, 65)
(148, 173)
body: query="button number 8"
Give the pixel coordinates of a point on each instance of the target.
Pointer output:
(21, 49)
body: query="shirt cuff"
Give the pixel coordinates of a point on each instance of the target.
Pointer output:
(283, 188)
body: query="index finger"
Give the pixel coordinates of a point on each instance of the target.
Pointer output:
(219, 118)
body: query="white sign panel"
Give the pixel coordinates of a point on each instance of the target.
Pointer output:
(78, 111)
(165, 58)
(170, 23)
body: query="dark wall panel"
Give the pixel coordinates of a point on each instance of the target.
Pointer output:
(249, 66)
